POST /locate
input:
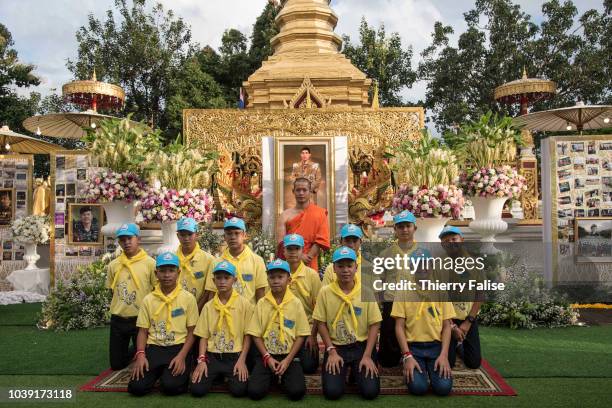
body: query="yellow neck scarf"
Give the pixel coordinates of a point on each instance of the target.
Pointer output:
(278, 311)
(166, 302)
(234, 261)
(224, 311)
(127, 263)
(347, 301)
(299, 273)
(185, 261)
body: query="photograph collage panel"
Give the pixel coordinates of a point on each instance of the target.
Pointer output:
(14, 176)
(584, 188)
(77, 223)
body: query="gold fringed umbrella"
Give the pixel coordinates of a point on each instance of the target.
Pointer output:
(70, 125)
(579, 117)
(13, 142)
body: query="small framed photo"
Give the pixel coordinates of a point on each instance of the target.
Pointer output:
(593, 240)
(59, 233)
(564, 161)
(21, 195)
(7, 245)
(591, 148)
(578, 147)
(84, 223)
(70, 190)
(71, 251)
(9, 184)
(7, 206)
(7, 256)
(564, 187)
(60, 190)
(21, 176)
(19, 255)
(81, 174)
(605, 146)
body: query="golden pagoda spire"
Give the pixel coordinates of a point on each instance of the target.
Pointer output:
(375, 99)
(306, 26)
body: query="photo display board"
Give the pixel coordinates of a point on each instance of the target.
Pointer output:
(577, 197)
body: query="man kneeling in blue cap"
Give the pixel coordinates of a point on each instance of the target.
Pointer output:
(349, 329)
(166, 322)
(465, 339)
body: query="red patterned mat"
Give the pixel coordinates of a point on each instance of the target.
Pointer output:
(482, 381)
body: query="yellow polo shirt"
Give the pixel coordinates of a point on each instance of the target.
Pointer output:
(423, 319)
(251, 271)
(193, 278)
(305, 285)
(168, 322)
(279, 325)
(127, 296)
(340, 323)
(225, 335)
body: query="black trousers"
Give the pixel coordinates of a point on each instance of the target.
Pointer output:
(159, 358)
(292, 381)
(220, 365)
(389, 351)
(309, 359)
(470, 348)
(334, 384)
(122, 331)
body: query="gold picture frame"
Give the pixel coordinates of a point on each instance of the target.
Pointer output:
(6, 221)
(589, 243)
(285, 156)
(97, 220)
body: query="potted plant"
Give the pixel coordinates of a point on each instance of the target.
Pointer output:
(120, 148)
(180, 179)
(487, 146)
(427, 171)
(31, 231)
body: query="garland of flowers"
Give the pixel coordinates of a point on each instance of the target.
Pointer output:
(425, 202)
(107, 186)
(164, 204)
(33, 228)
(502, 181)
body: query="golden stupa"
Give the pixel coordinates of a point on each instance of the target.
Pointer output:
(307, 55)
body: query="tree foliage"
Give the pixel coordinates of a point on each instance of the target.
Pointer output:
(382, 58)
(501, 40)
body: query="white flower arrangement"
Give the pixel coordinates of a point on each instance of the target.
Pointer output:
(107, 186)
(502, 181)
(263, 244)
(33, 228)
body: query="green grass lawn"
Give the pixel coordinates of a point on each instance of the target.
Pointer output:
(547, 367)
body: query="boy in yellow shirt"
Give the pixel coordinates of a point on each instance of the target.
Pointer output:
(465, 339)
(250, 268)
(165, 336)
(350, 236)
(195, 264)
(224, 344)
(349, 329)
(305, 285)
(423, 330)
(278, 327)
(130, 277)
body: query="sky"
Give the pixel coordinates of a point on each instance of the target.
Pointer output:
(44, 30)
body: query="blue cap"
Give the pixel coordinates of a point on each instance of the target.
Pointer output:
(351, 230)
(225, 266)
(128, 230)
(187, 224)
(344, 253)
(450, 230)
(293, 240)
(166, 258)
(278, 264)
(404, 216)
(235, 222)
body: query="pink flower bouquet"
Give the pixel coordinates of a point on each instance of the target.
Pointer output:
(426, 202)
(106, 186)
(503, 181)
(163, 204)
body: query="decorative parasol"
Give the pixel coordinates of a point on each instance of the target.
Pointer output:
(13, 142)
(68, 125)
(579, 117)
(89, 94)
(525, 91)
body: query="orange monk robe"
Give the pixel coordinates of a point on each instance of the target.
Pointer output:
(313, 226)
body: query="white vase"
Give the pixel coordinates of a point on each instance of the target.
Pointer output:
(488, 217)
(428, 229)
(31, 256)
(117, 213)
(170, 239)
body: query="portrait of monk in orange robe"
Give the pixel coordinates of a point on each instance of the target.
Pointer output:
(306, 219)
